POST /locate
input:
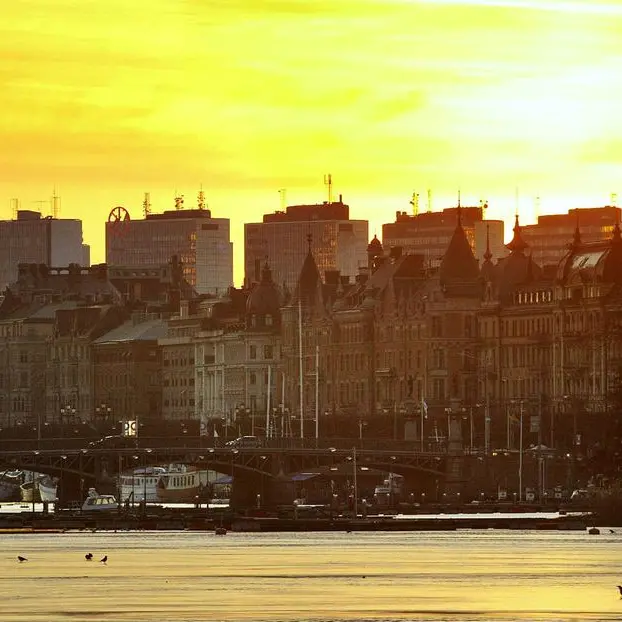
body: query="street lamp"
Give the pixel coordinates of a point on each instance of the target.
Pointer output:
(520, 455)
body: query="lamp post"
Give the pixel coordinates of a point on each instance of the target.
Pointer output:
(520, 455)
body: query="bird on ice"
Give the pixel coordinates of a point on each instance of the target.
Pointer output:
(620, 590)
(88, 557)
(104, 559)
(21, 559)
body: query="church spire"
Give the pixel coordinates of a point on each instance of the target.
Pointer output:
(517, 245)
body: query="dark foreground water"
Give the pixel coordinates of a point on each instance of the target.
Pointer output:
(465, 575)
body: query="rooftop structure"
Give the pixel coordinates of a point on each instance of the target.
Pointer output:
(201, 243)
(31, 238)
(282, 239)
(550, 237)
(430, 233)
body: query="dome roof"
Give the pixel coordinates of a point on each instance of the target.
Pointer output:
(264, 299)
(375, 245)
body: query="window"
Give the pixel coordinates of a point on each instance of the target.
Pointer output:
(253, 378)
(252, 352)
(268, 351)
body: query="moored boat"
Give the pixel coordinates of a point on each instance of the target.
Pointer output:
(179, 484)
(95, 502)
(140, 484)
(47, 489)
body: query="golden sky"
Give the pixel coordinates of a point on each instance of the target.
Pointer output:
(107, 100)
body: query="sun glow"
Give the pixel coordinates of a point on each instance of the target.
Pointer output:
(246, 98)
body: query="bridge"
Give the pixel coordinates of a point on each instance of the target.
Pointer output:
(268, 470)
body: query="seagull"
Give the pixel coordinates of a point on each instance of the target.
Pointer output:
(620, 590)
(21, 559)
(104, 559)
(611, 531)
(88, 557)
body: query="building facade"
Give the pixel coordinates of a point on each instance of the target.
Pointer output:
(339, 242)
(238, 363)
(428, 234)
(32, 239)
(201, 244)
(549, 238)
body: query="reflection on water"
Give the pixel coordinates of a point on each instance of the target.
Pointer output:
(465, 575)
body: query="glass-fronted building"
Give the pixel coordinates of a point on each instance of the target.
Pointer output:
(201, 243)
(283, 238)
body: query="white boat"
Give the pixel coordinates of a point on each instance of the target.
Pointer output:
(38, 488)
(47, 489)
(179, 484)
(30, 492)
(95, 502)
(140, 484)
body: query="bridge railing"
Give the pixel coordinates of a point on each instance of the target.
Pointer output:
(205, 443)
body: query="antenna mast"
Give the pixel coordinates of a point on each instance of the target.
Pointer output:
(282, 193)
(14, 208)
(55, 205)
(536, 207)
(429, 201)
(415, 203)
(328, 181)
(147, 205)
(201, 198)
(179, 202)
(614, 199)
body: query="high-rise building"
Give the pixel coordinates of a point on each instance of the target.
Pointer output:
(283, 238)
(429, 233)
(33, 239)
(550, 238)
(201, 243)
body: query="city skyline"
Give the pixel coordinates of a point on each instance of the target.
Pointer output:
(485, 97)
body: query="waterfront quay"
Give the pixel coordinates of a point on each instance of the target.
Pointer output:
(433, 517)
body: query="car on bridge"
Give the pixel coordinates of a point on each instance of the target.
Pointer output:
(115, 441)
(245, 442)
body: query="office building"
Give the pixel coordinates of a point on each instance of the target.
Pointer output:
(282, 239)
(33, 239)
(200, 242)
(429, 233)
(550, 237)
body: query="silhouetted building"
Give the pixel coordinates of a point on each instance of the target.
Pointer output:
(429, 233)
(549, 238)
(47, 319)
(36, 240)
(127, 369)
(339, 242)
(201, 243)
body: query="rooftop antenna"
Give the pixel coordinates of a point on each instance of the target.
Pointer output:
(55, 205)
(415, 203)
(201, 198)
(536, 207)
(459, 198)
(429, 201)
(147, 205)
(282, 199)
(614, 199)
(516, 201)
(14, 208)
(328, 181)
(179, 202)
